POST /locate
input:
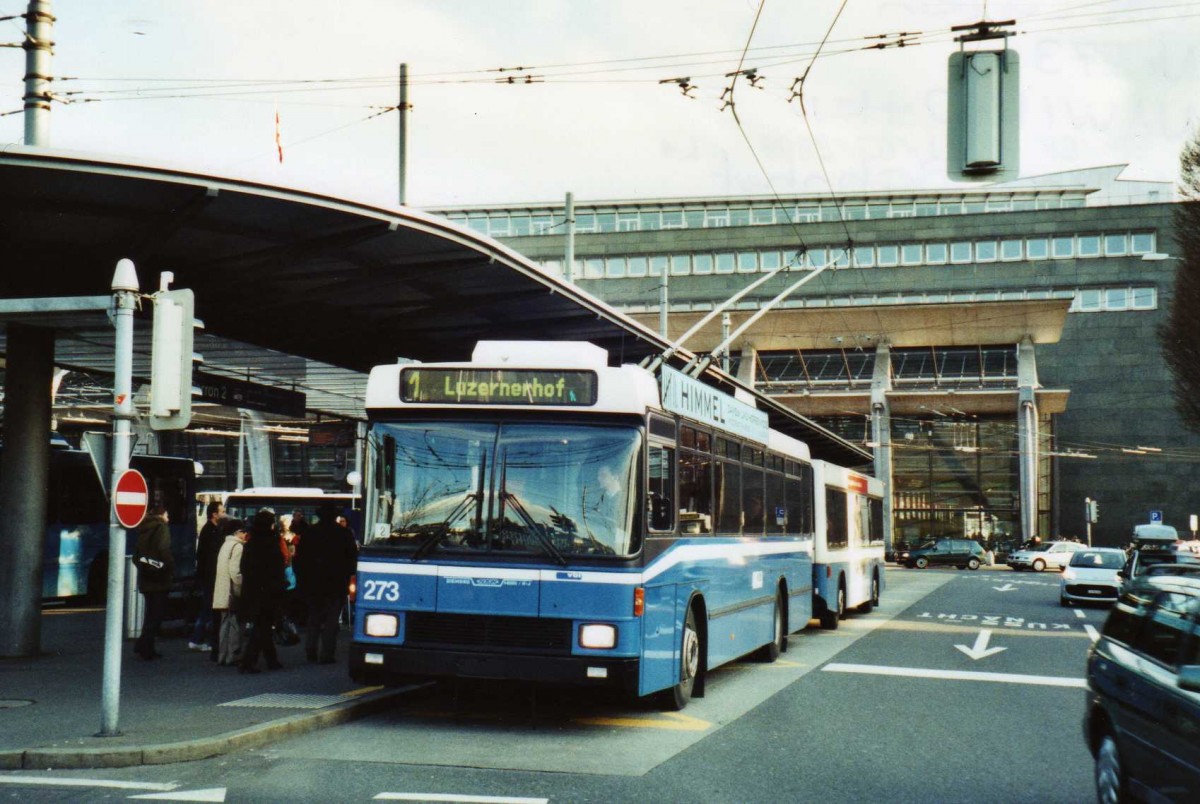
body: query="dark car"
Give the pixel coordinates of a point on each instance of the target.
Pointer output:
(1143, 706)
(961, 553)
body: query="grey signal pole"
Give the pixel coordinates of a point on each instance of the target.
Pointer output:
(125, 295)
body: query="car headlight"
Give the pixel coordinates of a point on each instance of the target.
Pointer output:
(597, 636)
(381, 625)
(1068, 575)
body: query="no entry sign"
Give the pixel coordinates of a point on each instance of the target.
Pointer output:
(130, 498)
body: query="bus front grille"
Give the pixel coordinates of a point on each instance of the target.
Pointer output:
(474, 631)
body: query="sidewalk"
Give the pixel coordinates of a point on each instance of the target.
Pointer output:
(177, 708)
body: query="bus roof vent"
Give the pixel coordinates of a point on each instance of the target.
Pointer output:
(540, 354)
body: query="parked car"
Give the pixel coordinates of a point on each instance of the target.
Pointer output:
(1038, 557)
(1091, 576)
(1143, 704)
(961, 553)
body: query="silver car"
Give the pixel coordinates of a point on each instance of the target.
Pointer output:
(1050, 554)
(1091, 576)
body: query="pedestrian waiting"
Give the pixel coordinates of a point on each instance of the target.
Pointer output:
(227, 590)
(262, 591)
(208, 544)
(325, 560)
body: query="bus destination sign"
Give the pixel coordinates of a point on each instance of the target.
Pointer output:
(445, 386)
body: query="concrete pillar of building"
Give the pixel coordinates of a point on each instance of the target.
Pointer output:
(881, 431)
(24, 487)
(1027, 436)
(748, 364)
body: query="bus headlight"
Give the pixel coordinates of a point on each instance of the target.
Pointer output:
(596, 636)
(381, 625)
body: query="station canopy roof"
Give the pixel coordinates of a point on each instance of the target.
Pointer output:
(296, 290)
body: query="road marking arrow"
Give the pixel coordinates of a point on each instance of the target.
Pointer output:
(980, 650)
(1008, 587)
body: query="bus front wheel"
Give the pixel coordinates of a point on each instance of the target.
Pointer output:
(676, 698)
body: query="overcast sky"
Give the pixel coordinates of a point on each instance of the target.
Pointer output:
(196, 84)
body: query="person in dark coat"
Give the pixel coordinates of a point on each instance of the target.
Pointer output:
(262, 591)
(208, 544)
(324, 562)
(155, 571)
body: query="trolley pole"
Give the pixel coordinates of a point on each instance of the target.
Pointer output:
(125, 296)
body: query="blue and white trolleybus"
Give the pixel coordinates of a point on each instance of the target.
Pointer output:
(536, 514)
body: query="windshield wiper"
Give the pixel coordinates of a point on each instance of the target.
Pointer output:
(530, 523)
(434, 539)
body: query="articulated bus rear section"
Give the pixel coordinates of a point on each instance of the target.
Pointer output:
(848, 555)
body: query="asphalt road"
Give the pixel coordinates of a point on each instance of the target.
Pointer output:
(962, 686)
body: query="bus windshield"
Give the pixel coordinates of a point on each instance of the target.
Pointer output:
(549, 489)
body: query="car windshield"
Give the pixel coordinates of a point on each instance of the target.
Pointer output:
(544, 488)
(1098, 559)
(1149, 559)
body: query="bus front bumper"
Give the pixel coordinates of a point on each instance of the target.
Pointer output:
(380, 664)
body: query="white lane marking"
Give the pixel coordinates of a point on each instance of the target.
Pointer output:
(1079, 615)
(1092, 632)
(458, 798)
(956, 675)
(211, 794)
(60, 782)
(1008, 587)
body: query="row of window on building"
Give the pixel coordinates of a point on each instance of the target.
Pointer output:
(591, 220)
(890, 255)
(1084, 300)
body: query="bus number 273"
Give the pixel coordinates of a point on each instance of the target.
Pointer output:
(382, 590)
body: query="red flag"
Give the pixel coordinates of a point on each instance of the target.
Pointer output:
(278, 143)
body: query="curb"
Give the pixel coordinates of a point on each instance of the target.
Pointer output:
(200, 748)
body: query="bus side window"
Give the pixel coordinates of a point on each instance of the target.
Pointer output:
(799, 507)
(695, 492)
(661, 492)
(835, 519)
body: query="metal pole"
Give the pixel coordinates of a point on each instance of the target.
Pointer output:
(725, 324)
(569, 256)
(402, 110)
(241, 470)
(664, 301)
(125, 296)
(39, 24)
